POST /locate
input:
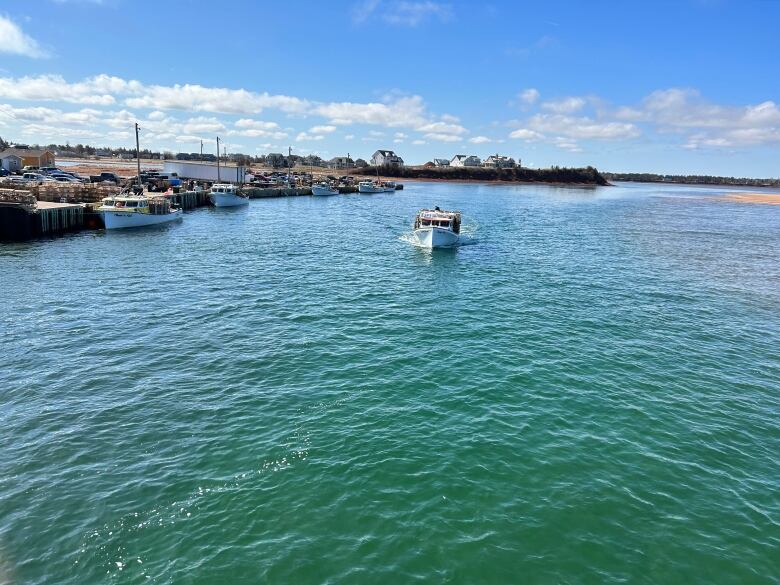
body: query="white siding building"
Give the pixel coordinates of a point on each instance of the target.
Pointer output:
(386, 158)
(464, 160)
(205, 171)
(11, 162)
(495, 161)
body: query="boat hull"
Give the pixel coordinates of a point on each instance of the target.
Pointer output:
(436, 238)
(321, 191)
(370, 189)
(227, 199)
(115, 220)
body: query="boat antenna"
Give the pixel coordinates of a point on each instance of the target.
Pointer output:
(218, 181)
(138, 154)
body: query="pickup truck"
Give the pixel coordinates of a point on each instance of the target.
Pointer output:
(110, 177)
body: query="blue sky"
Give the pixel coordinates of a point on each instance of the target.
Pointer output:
(690, 86)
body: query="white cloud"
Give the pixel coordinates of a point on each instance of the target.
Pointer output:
(203, 124)
(526, 134)
(439, 137)
(303, 137)
(418, 142)
(362, 11)
(14, 41)
(528, 96)
(582, 127)
(479, 140)
(349, 137)
(322, 129)
(404, 13)
(400, 135)
(567, 105)
(256, 124)
(404, 112)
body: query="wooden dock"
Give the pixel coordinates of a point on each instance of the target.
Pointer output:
(24, 218)
(59, 217)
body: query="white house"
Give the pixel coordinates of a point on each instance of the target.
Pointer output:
(495, 161)
(11, 162)
(463, 160)
(441, 162)
(386, 158)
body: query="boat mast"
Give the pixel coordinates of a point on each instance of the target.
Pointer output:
(289, 163)
(138, 155)
(218, 181)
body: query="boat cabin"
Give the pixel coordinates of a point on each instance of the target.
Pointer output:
(133, 204)
(223, 188)
(448, 220)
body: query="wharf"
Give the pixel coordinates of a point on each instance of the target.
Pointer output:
(24, 218)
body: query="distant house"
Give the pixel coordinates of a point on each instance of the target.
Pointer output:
(275, 159)
(11, 162)
(31, 156)
(341, 162)
(360, 163)
(388, 158)
(465, 160)
(311, 160)
(495, 161)
(441, 162)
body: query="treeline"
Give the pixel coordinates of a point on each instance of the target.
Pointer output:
(692, 179)
(588, 175)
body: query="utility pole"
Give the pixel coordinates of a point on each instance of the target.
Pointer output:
(138, 154)
(218, 181)
(201, 151)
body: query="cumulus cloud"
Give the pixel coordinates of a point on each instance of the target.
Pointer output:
(526, 134)
(479, 140)
(14, 41)
(567, 105)
(322, 129)
(440, 137)
(528, 96)
(304, 137)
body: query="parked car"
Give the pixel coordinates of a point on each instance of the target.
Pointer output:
(4, 172)
(109, 177)
(30, 169)
(35, 177)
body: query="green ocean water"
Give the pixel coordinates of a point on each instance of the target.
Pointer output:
(292, 393)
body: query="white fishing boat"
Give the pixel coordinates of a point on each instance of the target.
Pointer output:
(375, 187)
(227, 195)
(435, 228)
(137, 209)
(324, 189)
(134, 207)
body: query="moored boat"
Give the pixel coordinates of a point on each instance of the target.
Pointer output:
(435, 228)
(375, 187)
(137, 209)
(227, 195)
(324, 189)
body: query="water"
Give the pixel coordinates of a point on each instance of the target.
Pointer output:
(292, 393)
